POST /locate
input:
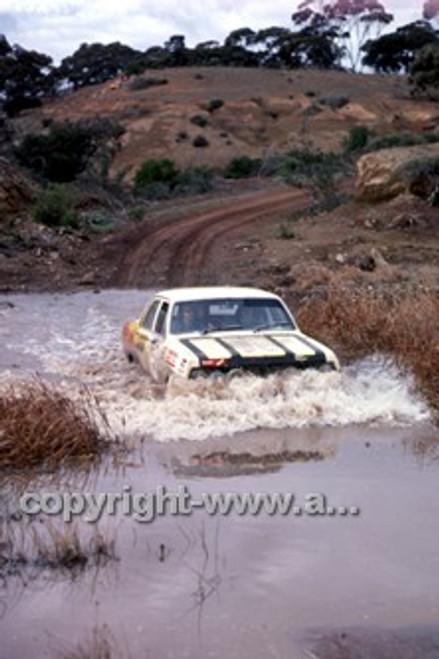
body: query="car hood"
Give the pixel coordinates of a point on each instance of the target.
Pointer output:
(275, 345)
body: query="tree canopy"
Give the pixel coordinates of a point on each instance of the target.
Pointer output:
(25, 77)
(395, 52)
(95, 63)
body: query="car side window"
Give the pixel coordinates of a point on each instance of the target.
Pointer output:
(148, 320)
(161, 319)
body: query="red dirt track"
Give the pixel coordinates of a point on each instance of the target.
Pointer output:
(176, 252)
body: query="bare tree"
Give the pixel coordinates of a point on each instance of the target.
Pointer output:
(352, 22)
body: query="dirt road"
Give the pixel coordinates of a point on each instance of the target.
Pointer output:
(174, 253)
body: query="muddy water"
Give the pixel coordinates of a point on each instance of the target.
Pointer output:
(200, 585)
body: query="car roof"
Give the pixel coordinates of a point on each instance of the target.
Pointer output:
(209, 292)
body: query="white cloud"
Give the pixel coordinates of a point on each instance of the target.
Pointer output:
(58, 27)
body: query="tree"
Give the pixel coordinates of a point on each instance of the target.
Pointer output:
(424, 72)
(395, 52)
(270, 40)
(95, 63)
(350, 23)
(176, 47)
(243, 37)
(26, 76)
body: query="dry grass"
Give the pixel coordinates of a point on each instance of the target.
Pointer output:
(64, 549)
(40, 427)
(101, 644)
(402, 325)
(24, 551)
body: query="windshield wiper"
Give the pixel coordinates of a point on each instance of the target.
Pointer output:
(269, 326)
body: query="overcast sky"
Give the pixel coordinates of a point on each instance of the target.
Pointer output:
(58, 27)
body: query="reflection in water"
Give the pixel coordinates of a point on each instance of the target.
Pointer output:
(223, 464)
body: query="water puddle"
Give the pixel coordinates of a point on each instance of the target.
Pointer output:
(356, 578)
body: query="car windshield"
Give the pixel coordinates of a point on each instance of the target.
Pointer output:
(251, 314)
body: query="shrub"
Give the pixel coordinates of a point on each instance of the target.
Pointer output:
(358, 323)
(136, 213)
(155, 191)
(41, 427)
(199, 120)
(214, 104)
(302, 165)
(64, 151)
(138, 83)
(59, 155)
(195, 180)
(154, 171)
(357, 138)
(421, 176)
(182, 136)
(55, 207)
(318, 170)
(98, 221)
(242, 167)
(200, 141)
(334, 102)
(285, 232)
(404, 138)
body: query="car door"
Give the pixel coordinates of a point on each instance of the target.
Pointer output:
(157, 344)
(144, 335)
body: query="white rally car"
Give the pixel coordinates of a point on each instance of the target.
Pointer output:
(200, 331)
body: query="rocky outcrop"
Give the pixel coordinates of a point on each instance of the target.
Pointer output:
(16, 191)
(380, 175)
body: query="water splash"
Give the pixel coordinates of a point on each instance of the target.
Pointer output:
(76, 341)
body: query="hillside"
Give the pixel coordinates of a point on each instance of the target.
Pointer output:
(263, 112)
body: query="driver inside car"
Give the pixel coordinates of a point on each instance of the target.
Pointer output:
(190, 318)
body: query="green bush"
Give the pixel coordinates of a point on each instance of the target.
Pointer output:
(357, 138)
(55, 207)
(199, 120)
(301, 164)
(64, 151)
(285, 232)
(60, 155)
(403, 138)
(195, 180)
(200, 141)
(214, 104)
(318, 171)
(153, 172)
(242, 167)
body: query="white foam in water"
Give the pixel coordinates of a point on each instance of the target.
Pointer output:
(370, 392)
(79, 343)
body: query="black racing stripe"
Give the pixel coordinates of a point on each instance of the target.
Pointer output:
(277, 342)
(318, 352)
(225, 344)
(193, 348)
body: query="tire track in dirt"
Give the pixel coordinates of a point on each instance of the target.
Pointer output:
(174, 253)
